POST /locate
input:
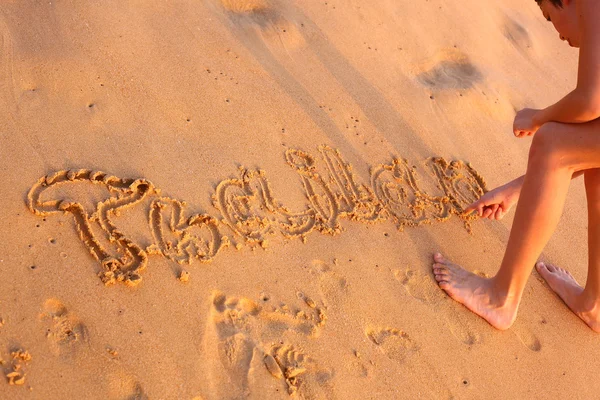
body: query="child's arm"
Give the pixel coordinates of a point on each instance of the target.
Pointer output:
(496, 203)
(583, 103)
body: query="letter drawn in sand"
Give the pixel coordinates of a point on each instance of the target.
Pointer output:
(320, 197)
(249, 208)
(461, 183)
(396, 187)
(198, 236)
(124, 193)
(357, 201)
(128, 258)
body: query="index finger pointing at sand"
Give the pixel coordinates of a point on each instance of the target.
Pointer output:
(475, 206)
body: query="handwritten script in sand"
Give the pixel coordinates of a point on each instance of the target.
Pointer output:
(249, 211)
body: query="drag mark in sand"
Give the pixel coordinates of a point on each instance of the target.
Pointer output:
(249, 210)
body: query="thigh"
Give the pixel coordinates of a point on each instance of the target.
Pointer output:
(572, 146)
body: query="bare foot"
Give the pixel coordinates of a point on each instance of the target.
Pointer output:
(475, 292)
(562, 282)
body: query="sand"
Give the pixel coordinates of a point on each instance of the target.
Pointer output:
(232, 199)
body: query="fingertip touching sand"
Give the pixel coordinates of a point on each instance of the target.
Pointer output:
(566, 145)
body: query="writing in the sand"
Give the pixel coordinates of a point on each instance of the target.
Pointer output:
(249, 211)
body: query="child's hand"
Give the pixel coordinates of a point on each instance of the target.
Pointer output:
(524, 124)
(496, 203)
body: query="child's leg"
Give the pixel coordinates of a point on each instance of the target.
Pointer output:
(557, 151)
(584, 302)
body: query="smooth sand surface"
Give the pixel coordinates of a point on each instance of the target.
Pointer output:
(275, 179)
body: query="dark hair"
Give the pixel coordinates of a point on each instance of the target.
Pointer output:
(557, 3)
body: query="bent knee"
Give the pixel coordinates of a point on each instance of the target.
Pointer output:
(547, 146)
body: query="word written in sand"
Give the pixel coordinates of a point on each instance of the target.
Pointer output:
(250, 213)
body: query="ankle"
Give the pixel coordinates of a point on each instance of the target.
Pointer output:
(589, 303)
(503, 296)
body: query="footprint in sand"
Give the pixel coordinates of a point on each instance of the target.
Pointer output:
(516, 34)
(239, 344)
(424, 289)
(278, 30)
(333, 287)
(396, 344)
(138, 394)
(64, 332)
(521, 329)
(361, 368)
(449, 69)
(67, 335)
(14, 366)
(245, 6)
(120, 384)
(291, 364)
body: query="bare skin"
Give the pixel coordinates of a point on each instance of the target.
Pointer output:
(475, 292)
(564, 284)
(566, 145)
